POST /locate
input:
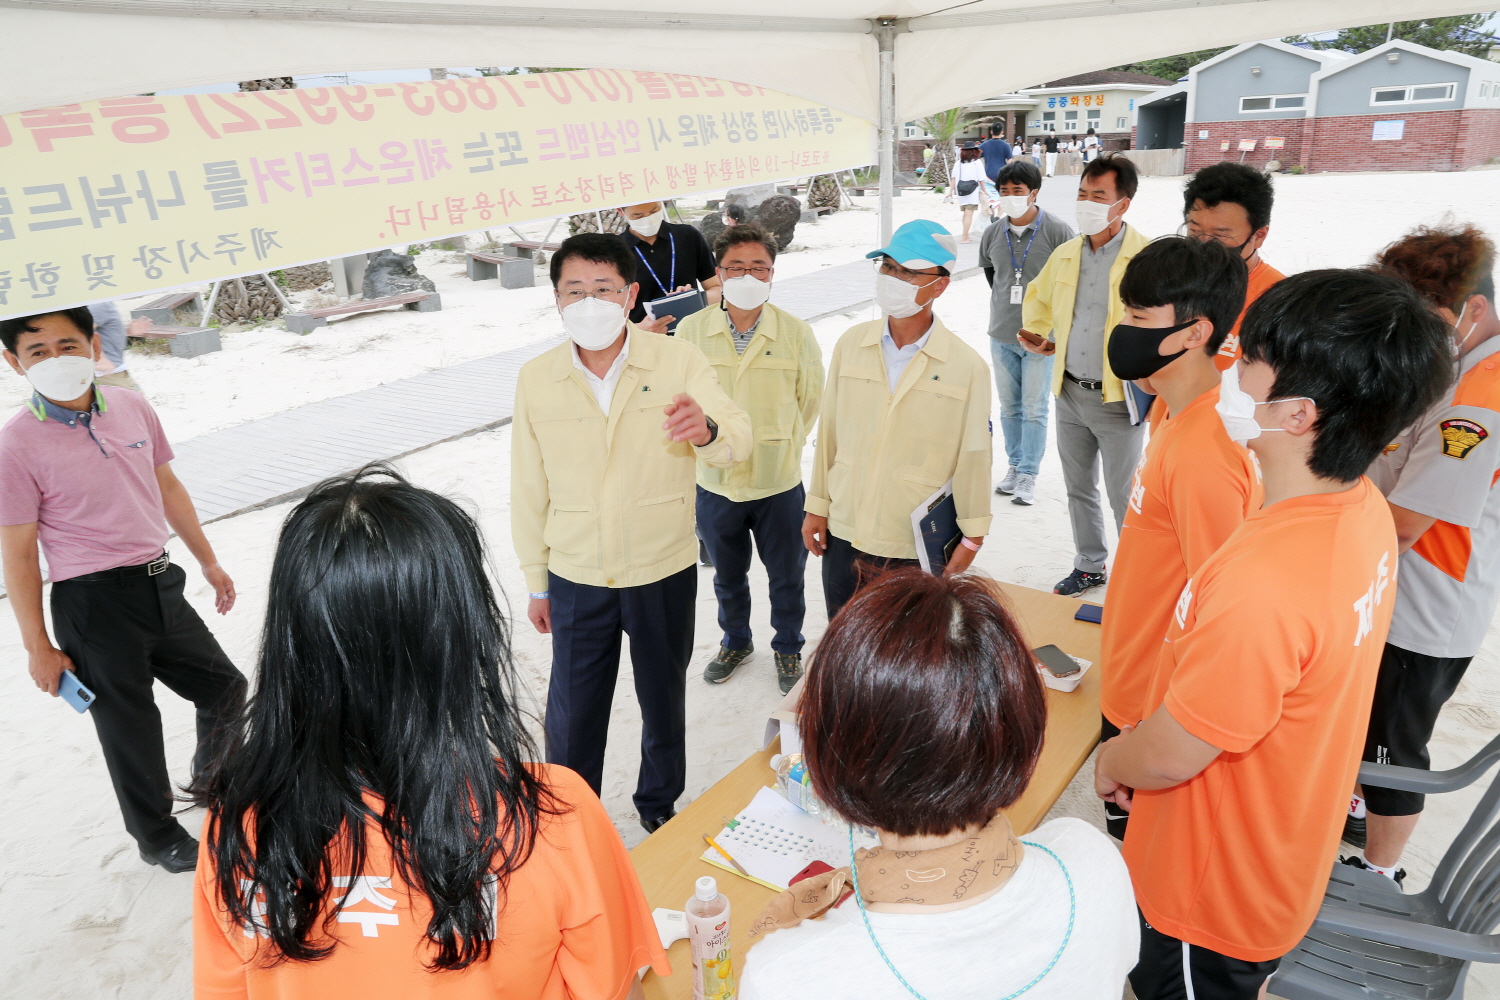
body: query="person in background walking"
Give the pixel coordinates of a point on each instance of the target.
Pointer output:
(1070, 309)
(1036, 151)
(86, 471)
(1013, 252)
(997, 152)
(1091, 147)
(968, 185)
(113, 369)
(1049, 148)
(769, 363)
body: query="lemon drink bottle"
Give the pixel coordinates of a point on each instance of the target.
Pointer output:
(708, 936)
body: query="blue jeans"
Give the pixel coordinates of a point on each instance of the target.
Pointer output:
(1024, 382)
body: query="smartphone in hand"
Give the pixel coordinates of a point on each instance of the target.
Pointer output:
(71, 690)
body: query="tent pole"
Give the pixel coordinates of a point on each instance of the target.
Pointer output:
(885, 35)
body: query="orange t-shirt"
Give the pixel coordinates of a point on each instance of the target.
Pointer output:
(1192, 489)
(1271, 656)
(1262, 278)
(574, 924)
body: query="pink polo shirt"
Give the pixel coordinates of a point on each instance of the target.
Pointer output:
(90, 486)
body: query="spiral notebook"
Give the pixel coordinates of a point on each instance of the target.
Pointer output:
(774, 840)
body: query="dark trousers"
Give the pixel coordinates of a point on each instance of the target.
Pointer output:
(846, 569)
(775, 524)
(1410, 691)
(586, 626)
(1172, 969)
(122, 634)
(1116, 820)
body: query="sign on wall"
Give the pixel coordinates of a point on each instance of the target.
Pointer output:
(1275, 142)
(121, 197)
(1386, 131)
(1247, 146)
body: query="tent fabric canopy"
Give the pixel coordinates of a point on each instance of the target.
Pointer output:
(64, 51)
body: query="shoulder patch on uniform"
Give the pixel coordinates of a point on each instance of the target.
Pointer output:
(1460, 436)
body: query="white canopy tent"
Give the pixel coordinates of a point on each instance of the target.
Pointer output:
(887, 62)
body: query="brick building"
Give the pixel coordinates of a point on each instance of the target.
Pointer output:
(1399, 106)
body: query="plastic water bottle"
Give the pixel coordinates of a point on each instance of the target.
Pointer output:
(708, 936)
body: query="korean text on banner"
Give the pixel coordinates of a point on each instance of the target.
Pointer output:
(126, 196)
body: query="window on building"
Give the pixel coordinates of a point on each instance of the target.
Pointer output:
(912, 131)
(1071, 126)
(1121, 124)
(1272, 102)
(1049, 116)
(1070, 116)
(1421, 93)
(1095, 113)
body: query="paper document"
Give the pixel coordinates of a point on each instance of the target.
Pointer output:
(773, 840)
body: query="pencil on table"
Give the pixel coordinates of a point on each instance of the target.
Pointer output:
(737, 866)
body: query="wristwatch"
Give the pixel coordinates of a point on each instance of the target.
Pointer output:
(713, 431)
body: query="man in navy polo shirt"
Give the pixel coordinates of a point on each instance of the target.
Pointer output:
(83, 470)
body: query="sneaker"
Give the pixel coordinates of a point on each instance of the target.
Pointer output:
(1006, 486)
(1077, 582)
(1025, 491)
(1355, 861)
(722, 666)
(1354, 832)
(788, 670)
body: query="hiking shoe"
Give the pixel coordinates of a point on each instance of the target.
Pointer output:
(1354, 832)
(1006, 486)
(1077, 582)
(178, 858)
(1025, 491)
(788, 669)
(722, 666)
(1354, 861)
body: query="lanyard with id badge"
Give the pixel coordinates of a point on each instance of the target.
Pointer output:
(1016, 290)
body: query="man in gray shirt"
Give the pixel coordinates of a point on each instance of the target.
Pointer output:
(1070, 308)
(1012, 252)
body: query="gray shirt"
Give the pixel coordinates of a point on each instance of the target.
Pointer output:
(1091, 309)
(111, 331)
(1045, 233)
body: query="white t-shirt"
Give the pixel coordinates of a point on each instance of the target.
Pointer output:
(971, 171)
(990, 949)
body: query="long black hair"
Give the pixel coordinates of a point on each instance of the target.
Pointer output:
(385, 670)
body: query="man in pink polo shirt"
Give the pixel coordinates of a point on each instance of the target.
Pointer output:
(83, 470)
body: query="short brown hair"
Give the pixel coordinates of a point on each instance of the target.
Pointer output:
(743, 232)
(923, 711)
(1445, 263)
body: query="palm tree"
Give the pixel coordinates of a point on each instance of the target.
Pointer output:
(944, 127)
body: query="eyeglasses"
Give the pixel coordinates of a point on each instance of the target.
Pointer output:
(739, 272)
(890, 267)
(1193, 232)
(578, 294)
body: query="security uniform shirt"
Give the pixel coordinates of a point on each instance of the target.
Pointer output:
(606, 499)
(881, 453)
(1446, 466)
(778, 381)
(680, 256)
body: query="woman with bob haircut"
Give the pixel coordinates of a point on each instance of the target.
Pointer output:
(922, 718)
(376, 827)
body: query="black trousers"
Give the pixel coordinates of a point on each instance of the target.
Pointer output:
(775, 523)
(586, 626)
(1168, 965)
(122, 634)
(846, 569)
(1410, 691)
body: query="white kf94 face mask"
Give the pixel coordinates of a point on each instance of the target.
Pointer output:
(1015, 205)
(62, 379)
(895, 297)
(593, 323)
(1093, 218)
(1237, 408)
(746, 292)
(650, 224)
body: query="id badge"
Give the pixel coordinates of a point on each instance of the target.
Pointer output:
(1015, 295)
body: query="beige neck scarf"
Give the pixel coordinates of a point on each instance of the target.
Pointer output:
(939, 876)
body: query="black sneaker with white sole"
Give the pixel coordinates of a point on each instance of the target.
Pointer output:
(1353, 861)
(721, 667)
(1077, 582)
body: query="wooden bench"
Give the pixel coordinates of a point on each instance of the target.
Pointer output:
(812, 214)
(528, 248)
(874, 189)
(513, 272)
(306, 322)
(186, 341)
(167, 310)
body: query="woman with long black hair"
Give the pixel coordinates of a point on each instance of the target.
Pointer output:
(376, 827)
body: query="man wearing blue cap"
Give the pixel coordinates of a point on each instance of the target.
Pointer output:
(905, 412)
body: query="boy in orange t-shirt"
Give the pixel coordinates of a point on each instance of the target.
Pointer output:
(1237, 779)
(1193, 486)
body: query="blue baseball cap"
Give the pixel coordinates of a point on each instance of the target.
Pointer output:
(918, 244)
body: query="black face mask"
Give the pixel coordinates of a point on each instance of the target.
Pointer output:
(1133, 349)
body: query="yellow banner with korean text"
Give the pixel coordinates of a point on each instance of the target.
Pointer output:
(122, 197)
